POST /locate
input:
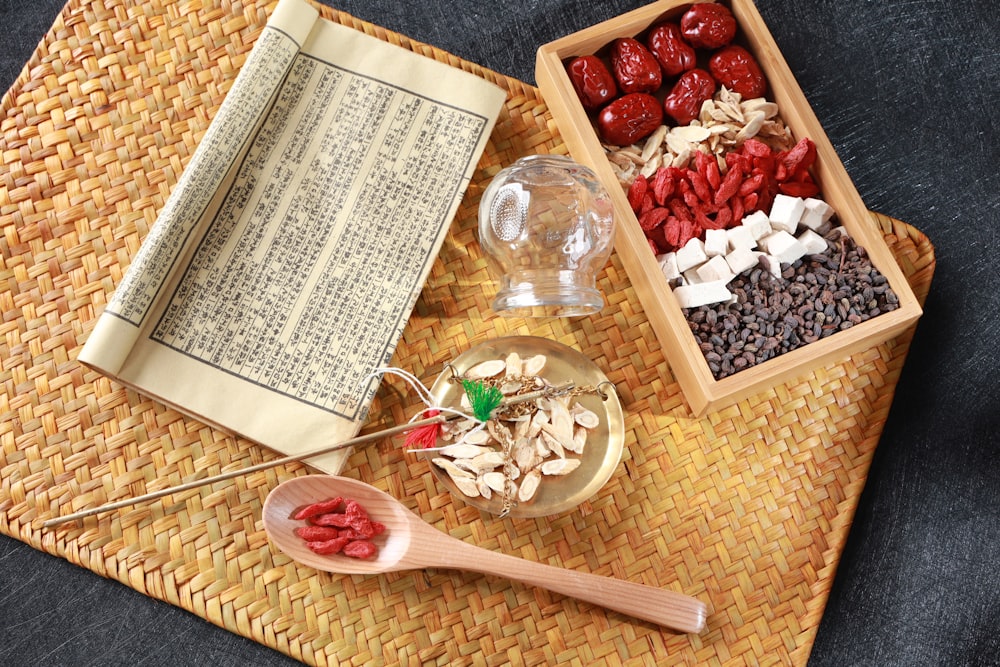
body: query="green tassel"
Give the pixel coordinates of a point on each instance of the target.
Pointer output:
(484, 400)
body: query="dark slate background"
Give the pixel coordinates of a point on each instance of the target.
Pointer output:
(908, 91)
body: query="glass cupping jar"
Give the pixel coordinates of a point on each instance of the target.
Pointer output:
(547, 224)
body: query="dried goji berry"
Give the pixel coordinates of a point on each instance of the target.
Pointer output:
(764, 164)
(672, 233)
(677, 174)
(317, 533)
(739, 159)
(663, 186)
(337, 519)
(364, 529)
(689, 230)
(360, 549)
(708, 167)
(653, 218)
(334, 532)
(318, 508)
(756, 148)
(355, 511)
(798, 159)
(751, 184)
(692, 199)
(704, 221)
(637, 191)
(327, 547)
(680, 209)
(368, 529)
(724, 218)
(729, 186)
(738, 209)
(352, 534)
(765, 199)
(802, 189)
(648, 203)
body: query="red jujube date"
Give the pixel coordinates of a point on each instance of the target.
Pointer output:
(683, 104)
(735, 68)
(708, 25)
(592, 80)
(629, 119)
(670, 50)
(635, 68)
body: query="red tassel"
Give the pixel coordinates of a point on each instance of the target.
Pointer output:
(424, 436)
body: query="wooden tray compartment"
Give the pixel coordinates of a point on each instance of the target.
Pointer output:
(701, 390)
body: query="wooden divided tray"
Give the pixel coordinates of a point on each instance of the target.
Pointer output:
(747, 508)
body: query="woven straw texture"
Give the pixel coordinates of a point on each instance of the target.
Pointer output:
(747, 509)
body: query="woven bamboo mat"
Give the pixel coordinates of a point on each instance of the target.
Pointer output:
(747, 508)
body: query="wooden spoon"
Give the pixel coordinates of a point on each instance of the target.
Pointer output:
(410, 543)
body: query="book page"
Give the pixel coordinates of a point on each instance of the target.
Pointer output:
(299, 283)
(198, 191)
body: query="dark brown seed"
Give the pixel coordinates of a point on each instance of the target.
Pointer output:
(814, 298)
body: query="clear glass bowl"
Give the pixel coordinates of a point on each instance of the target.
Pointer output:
(547, 224)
